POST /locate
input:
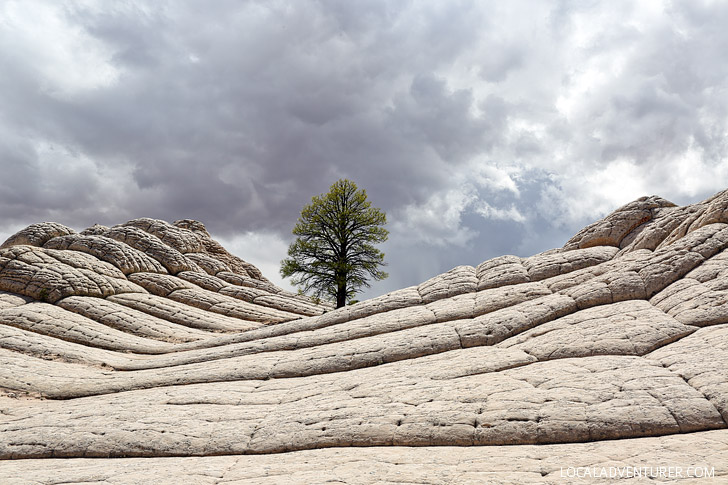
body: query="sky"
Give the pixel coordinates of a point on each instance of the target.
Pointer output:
(481, 128)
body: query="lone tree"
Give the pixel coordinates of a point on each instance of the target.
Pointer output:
(333, 254)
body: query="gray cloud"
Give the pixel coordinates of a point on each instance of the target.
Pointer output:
(481, 128)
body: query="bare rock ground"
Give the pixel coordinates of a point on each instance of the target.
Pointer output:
(147, 351)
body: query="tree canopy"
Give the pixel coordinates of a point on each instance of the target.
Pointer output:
(333, 254)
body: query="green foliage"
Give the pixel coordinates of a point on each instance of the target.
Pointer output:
(334, 254)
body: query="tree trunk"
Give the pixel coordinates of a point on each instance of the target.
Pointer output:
(340, 289)
(341, 295)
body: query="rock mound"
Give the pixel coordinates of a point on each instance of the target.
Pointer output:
(149, 339)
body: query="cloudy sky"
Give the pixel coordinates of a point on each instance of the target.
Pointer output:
(481, 127)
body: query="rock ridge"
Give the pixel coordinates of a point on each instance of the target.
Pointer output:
(149, 339)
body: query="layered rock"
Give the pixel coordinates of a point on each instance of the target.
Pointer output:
(149, 339)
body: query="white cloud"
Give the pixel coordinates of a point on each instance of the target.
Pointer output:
(261, 249)
(596, 193)
(437, 222)
(484, 174)
(62, 57)
(489, 212)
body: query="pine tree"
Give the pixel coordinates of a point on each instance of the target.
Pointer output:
(334, 254)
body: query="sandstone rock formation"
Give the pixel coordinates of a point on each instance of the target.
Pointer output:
(149, 340)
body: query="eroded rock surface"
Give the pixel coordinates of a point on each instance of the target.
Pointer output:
(148, 339)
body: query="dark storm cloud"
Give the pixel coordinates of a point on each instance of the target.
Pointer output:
(215, 111)
(481, 128)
